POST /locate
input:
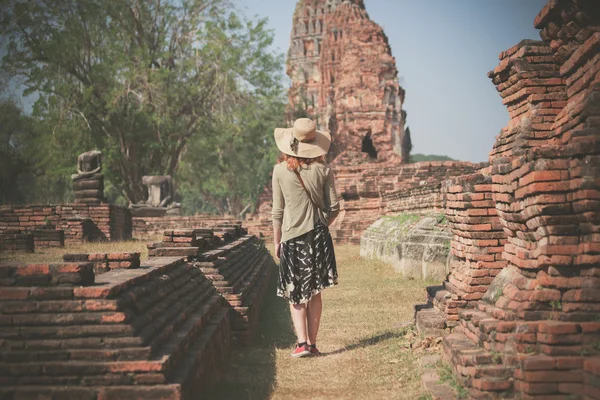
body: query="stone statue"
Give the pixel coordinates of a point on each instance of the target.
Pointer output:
(88, 182)
(160, 198)
(88, 164)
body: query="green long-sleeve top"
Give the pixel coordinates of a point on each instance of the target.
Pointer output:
(292, 210)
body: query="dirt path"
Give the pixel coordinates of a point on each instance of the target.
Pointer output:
(364, 336)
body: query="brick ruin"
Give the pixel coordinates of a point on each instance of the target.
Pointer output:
(79, 222)
(150, 227)
(522, 300)
(102, 326)
(345, 78)
(369, 191)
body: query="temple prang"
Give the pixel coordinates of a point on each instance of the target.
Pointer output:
(345, 78)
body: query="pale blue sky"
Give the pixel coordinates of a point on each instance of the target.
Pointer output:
(444, 50)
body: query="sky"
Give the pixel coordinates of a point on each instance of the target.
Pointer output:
(444, 50)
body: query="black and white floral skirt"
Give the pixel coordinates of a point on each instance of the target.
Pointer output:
(307, 265)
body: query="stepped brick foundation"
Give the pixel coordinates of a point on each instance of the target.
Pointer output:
(151, 227)
(104, 262)
(240, 272)
(108, 221)
(157, 332)
(534, 333)
(15, 274)
(22, 242)
(237, 264)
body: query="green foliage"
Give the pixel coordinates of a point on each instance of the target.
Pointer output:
(496, 357)
(23, 178)
(155, 85)
(428, 157)
(404, 218)
(447, 376)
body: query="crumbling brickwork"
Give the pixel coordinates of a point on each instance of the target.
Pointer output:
(535, 332)
(22, 242)
(107, 325)
(237, 264)
(104, 262)
(161, 331)
(150, 227)
(345, 78)
(369, 191)
(108, 221)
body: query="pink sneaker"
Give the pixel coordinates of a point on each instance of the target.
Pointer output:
(301, 350)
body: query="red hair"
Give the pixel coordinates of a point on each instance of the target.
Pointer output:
(294, 163)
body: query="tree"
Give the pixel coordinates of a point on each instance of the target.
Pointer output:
(137, 79)
(227, 169)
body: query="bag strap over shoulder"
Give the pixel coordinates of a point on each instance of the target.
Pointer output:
(305, 189)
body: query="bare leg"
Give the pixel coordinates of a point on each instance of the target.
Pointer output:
(314, 308)
(298, 312)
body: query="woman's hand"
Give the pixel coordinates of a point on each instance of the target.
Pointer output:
(278, 250)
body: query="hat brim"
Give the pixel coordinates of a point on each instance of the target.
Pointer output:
(316, 148)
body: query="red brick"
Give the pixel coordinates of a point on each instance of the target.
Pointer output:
(33, 269)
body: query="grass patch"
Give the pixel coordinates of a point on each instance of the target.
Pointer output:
(55, 254)
(447, 376)
(365, 335)
(404, 218)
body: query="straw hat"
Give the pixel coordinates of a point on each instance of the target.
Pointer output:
(303, 140)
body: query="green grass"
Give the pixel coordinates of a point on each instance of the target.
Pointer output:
(365, 335)
(447, 376)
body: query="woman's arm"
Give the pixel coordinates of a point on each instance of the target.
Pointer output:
(331, 197)
(277, 212)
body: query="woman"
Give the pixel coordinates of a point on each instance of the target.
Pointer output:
(305, 203)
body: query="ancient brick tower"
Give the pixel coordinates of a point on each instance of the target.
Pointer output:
(344, 76)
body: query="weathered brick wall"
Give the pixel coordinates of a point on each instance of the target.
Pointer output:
(478, 239)
(344, 76)
(237, 264)
(535, 331)
(369, 191)
(77, 229)
(160, 331)
(44, 238)
(44, 275)
(110, 222)
(149, 227)
(240, 271)
(104, 262)
(17, 242)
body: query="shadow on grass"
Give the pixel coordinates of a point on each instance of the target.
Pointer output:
(251, 374)
(371, 341)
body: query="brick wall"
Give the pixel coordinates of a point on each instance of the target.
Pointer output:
(237, 264)
(110, 222)
(104, 262)
(534, 332)
(149, 227)
(17, 242)
(48, 238)
(109, 326)
(368, 191)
